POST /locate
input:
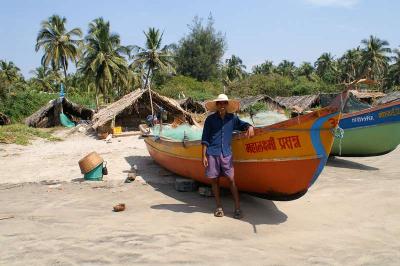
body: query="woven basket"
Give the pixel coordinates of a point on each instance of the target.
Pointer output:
(89, 162)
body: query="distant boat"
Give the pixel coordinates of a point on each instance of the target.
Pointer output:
(369, 132)
(280, 162)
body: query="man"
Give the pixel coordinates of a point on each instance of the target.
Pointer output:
(216, 147)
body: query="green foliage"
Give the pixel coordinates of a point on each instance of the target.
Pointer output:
(21, 104)
(103, 61)
(153, 59)
(233, 69)
(287, 69)
(87, 99)
(304, 86)
(271, 85)
(199, 54)
(265, 68)
(275, 84)
(375, 59)
(181, 86)
(58, 44)
(22, 134)
(258, 107)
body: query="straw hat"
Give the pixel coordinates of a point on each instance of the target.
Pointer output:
(233, 105)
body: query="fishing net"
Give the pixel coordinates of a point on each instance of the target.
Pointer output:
(354, 105)
(265, 118)
(188, 132)
(178, 133)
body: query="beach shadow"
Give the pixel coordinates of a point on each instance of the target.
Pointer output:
(78, 180)
(343, 163)
(256, 211)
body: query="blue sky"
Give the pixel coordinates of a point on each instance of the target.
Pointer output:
(296, 30)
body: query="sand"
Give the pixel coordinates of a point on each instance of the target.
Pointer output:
(48, 216)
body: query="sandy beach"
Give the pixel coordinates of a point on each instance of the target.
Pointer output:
(48, 216)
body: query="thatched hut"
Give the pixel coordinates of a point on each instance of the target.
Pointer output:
(390, 97)
(4, 120)
(49, 115)
(132, 110)
(298, 104)
(271, 104)
(192, 106)
(368, 97)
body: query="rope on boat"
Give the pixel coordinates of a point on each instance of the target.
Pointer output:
(339, 134)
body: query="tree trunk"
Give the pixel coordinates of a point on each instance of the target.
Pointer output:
(151, 98)
(97, 97)
(147, 79)
(65, 75)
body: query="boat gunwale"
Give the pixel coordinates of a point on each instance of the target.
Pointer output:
(298, 158)
(370, 110)
(373, 125)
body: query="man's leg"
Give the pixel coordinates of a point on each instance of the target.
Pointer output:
(215, 189)
(229, 173)
(235, 193)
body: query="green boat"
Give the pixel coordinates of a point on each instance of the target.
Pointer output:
(371, 132)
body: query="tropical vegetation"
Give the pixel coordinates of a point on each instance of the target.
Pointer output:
(194, 66)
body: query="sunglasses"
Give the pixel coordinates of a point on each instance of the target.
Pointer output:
(222, 103)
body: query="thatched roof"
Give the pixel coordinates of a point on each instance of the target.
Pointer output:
(298, 103)
(367, 94)
(390, 97)
(192, 106)
(48, 115)
(4, 120)
(131, 100)
(249, 101)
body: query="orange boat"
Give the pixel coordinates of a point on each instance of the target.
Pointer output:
(279, 163)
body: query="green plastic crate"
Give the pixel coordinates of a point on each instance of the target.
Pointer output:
(96, 174)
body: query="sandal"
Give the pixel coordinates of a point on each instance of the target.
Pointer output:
(237, 214)
(218, 212)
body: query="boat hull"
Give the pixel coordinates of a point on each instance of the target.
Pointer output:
(275, 180)
(371, 132)
(280, 162)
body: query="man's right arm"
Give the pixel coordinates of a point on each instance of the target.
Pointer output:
(205, 141)
(204, 155)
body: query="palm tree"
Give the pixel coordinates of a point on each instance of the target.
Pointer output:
(350, 65)
(286, 68)
(153, 58)
(9, 73)
(324, 64)
(234, 68)
(375, 60)
(326, 68)
(394, 69)
(265, 68)
(306, 69)
(58, 44)
(102, 58)
(45, 78)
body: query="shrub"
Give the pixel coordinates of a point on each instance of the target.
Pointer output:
(20, 104)
(181, 86)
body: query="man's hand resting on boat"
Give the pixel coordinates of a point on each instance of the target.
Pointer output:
(250, 132)
(205, 161)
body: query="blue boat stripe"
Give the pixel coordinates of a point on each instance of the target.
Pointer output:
(318, 146)
(380, 116)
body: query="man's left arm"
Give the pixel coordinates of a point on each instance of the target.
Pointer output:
(244, 126)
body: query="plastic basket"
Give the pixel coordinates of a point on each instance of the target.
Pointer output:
(96, 174)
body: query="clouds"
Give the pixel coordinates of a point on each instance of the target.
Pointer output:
(334, 3)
